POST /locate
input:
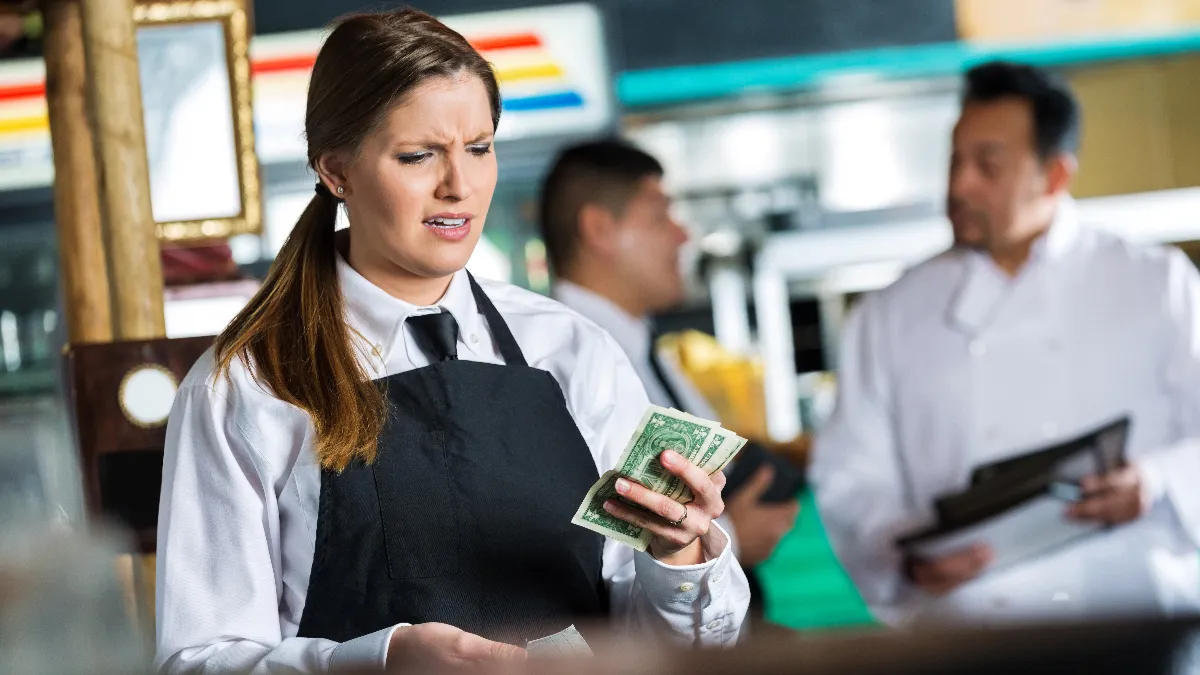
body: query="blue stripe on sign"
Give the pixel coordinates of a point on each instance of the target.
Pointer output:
(563, 99)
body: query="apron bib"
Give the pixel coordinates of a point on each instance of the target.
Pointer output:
(464, 518)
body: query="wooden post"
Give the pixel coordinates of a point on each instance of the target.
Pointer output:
(130, 237)
(76, 189)
(131, 241)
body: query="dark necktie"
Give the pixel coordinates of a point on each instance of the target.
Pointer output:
(437, 335)
(657, 368)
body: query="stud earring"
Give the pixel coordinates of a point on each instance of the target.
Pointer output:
(341, 190)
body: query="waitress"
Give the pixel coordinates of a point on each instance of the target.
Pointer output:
(378, 462)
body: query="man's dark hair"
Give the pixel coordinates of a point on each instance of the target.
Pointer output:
(606, 172)
(1055, 110)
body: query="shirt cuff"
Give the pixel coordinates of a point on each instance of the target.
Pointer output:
(1169, 476)
(364, 653)
(726, 525)
(1154, 483)
(665, 583)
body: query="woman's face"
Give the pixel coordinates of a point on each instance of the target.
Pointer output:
(419, 190)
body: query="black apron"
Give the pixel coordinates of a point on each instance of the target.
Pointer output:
(465, 516)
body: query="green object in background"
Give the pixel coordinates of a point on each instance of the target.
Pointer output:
(805, 585)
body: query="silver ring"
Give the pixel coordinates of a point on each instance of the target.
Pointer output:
(679, 523)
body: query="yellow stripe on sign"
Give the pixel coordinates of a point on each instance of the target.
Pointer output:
(14, 125)
(537, 71)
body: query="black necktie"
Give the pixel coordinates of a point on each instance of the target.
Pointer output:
(437, 335)
(657, 368)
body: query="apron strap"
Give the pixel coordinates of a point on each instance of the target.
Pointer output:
(509, 349)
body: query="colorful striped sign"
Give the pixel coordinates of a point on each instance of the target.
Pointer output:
(549, 61)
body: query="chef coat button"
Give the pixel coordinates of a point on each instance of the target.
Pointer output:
(686, 587)
(715, 624)
(474, 338)
(1049, 430)
(977, 348)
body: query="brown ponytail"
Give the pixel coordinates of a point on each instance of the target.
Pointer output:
(293, 334)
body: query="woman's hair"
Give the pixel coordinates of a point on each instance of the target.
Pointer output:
(293, 333)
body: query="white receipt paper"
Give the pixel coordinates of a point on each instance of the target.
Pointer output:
(567, 642)
(1027, 531)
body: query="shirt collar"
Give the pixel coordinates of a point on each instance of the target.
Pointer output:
(1063, 232)
(1056, 241)
(631, 333)
(378, 316)
(983, 286)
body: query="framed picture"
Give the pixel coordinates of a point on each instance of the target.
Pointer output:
(193, 58)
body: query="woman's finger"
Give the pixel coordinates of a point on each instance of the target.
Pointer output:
(664, 506)
(471, 647)
(705, 492)
(680, 536)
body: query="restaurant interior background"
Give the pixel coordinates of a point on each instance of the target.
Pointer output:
(806, 142)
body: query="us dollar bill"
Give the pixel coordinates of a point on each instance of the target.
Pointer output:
(722, 448)
(567, 642)
(701, 442)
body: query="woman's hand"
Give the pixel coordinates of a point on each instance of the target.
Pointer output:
(676, 527)
(437, 647)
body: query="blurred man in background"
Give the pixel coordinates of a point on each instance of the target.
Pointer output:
(614, 246)
(1031, 328)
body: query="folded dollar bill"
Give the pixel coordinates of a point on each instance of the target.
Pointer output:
(567, 642)
(704, 443)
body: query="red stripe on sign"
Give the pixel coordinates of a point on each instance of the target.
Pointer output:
(514, 41)
(19, 91)
(283, 64)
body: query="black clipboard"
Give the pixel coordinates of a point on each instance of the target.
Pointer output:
(1106, 443)
(1022, 491)
(788, 483)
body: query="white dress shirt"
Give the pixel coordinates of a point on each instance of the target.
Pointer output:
(958, 364)
(634, 337)
(241, 485)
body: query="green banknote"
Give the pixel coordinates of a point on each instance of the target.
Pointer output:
(702, 442)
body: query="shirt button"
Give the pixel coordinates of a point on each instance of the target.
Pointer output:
(474, 338)
(713, 625)
(977, 348)
(684, 588)
(1049, 430)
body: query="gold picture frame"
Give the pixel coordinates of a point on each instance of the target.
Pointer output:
(204, 173)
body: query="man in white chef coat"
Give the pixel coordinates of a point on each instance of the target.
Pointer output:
(614, 248)
(1032, 328)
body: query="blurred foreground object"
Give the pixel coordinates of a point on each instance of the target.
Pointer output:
(733, 385)
(62, 609)
(1063, 649)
